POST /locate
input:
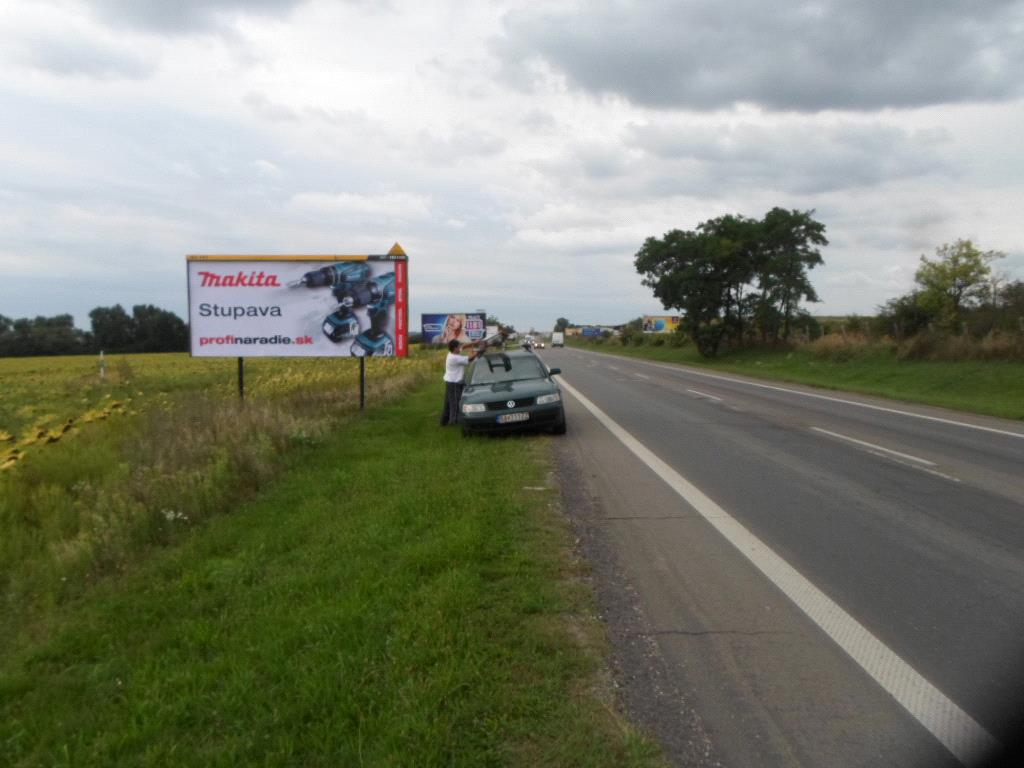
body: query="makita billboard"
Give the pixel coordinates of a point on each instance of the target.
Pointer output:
(299, 306)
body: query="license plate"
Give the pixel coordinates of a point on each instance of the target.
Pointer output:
(509, 418)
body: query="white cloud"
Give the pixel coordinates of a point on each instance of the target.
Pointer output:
(397, 206)
(267, 168)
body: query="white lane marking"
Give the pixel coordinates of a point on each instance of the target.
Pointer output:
(705, 394)
(875, 447)
(613, 368)
(934, 472)
(642, 376)
(961, 734)
(677, 369)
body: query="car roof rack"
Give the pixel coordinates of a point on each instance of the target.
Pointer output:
(505, 362)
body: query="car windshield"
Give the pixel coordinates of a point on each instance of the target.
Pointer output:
(491, 370)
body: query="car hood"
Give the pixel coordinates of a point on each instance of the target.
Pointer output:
(510, 390)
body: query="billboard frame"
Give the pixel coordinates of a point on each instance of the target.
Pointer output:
(399, 302)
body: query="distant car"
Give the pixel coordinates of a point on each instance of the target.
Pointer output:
(511, 391)
(540, 345)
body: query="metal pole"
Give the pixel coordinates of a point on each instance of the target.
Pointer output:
(362, 383)
(241, 378)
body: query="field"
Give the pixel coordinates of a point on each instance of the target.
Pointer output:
(187, 580)
(46, 398)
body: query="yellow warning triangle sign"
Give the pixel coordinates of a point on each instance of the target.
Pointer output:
(396, 250)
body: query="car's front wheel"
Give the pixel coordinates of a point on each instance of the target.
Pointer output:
(559, 428)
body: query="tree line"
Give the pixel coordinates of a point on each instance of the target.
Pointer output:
(736, 280)
(146, 329)
(956, 292)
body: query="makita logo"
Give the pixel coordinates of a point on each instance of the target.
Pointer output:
(239, 280)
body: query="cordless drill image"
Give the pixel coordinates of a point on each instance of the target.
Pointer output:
(354, 288)
(335, 275)
(376, 294)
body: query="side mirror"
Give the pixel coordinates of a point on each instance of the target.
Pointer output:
(554, 371)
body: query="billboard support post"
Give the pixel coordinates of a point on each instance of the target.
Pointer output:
(241, 378)
(362, 383)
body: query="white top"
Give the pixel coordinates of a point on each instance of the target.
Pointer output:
(455, 367)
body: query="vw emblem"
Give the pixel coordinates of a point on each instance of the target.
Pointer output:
(511, 403)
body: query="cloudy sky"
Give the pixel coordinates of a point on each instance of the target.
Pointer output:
(519, 151)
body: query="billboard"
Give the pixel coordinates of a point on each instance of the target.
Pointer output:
(299, 306)
(661, 323)
(461, 326)
(591, 331)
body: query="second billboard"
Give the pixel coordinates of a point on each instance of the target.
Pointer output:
(661, 323)
(463, 327)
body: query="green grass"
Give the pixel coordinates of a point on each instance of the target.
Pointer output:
(102, 496)
(995, 388)
(394, 598)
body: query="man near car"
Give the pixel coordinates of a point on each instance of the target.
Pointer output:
(454, 379)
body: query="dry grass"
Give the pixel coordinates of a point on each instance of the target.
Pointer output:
(840, 348)
(937, 346)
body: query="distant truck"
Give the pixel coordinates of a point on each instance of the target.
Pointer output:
(557, 339)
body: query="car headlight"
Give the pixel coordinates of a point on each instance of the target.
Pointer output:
(545, 399)
(473, 408)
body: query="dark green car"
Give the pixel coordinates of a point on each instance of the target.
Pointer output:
(511, 391)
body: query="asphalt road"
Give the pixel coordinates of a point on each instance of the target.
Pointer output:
(824, 579)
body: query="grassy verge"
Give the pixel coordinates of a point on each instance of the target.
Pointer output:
(95, 502)
(395, 598)
(995, 388)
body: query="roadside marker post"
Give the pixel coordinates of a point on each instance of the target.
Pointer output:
(362, 384)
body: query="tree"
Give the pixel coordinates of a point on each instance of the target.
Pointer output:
(691, 272)
(147, 329)
(561, 324)
(112, 329)
(740, 254)
(157, 330)
(41, 336)
(1011, 301)
(789, 241)
(733, 276)
(957, 278)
